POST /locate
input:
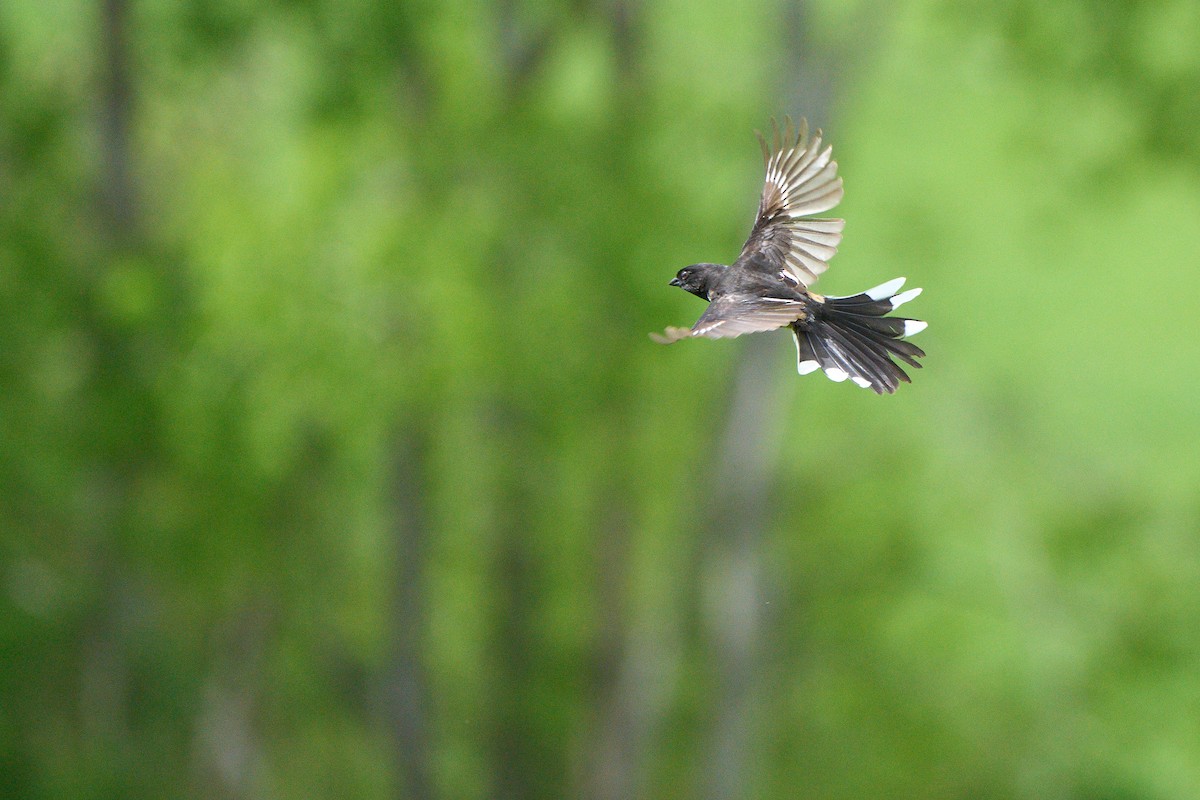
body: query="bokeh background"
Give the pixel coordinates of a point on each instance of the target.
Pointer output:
(335, 460)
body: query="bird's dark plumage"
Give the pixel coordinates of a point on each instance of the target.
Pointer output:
(766, 287)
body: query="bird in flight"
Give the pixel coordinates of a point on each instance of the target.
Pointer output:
(767, 286)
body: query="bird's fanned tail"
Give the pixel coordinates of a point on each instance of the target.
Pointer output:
(851, 338)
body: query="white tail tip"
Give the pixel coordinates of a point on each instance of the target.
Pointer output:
(885, 290)
(904, 297)
(836, 375)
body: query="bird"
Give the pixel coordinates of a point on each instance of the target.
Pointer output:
(767, 286)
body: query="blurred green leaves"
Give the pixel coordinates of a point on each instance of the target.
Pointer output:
(353, 431)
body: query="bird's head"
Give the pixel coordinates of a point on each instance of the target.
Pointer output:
(698, 278)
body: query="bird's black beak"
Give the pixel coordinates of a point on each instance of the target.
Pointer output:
(674, 282)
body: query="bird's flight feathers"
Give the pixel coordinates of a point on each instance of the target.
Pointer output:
(733, 315)
(801, 180)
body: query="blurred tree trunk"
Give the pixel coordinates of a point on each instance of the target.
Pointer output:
(116, 120)
(611, 752)
(227, 752)
(733, 594)
(629, 694)
(104, 688)
(731, 591)
(520, 765)
(406, 681)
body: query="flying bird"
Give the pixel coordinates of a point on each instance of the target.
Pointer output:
(767, 287)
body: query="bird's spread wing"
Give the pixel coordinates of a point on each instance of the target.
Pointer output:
(801, 180)
(733, 315)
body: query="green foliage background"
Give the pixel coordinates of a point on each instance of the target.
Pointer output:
(335, 461)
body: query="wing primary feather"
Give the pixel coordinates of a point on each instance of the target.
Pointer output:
(811, 263)
(821, 251)
(825, 225)
(806, 157)
(815, 204)
(800, 180)
(798, 159)
(817, 180)
(819, 160)
(794, 152)
(813, 239)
